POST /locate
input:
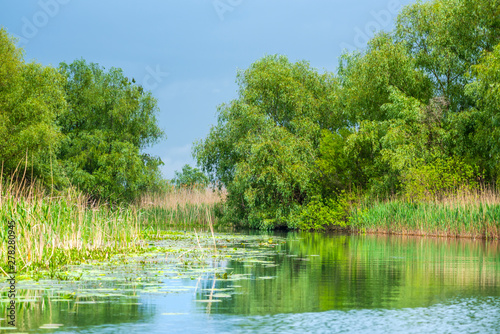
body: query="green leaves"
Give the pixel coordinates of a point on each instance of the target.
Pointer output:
(446, 37)
(442, 177)
(190, 177)
(367, 79)
(265, 143)
(31, 97)
(108, 122)
(319, 213)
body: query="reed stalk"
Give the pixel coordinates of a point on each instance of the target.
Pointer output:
(55, 230)
(473, 214)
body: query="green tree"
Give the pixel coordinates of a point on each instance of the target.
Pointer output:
(31, 97)
(447, 37)
(265, 143)
(366, 80)
(419, 102)
(190, 177)
(475, 133)
(356, 156)
(107, 125)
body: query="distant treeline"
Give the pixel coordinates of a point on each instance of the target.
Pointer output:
(415, 116)
(76, 125)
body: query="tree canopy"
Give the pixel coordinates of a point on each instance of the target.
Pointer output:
(265, 143)
(31, 98)
(419, 104)
(76, 125)
(108, 122)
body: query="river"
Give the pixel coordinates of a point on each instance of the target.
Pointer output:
(293, 282)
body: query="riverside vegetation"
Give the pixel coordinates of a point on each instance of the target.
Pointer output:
(402, 138)
(53, 231)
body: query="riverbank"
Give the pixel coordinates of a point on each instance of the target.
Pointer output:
(466, 214)
(49, 231)
(55, 230)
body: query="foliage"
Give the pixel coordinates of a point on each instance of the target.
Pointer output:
(320, 213)
(482, 124)
(367, 80)
(445, 38)
(108, 123)
(77, 125)
(440, 178)
(31, 97)
(263, 148)
(190, 177)
(415, 114)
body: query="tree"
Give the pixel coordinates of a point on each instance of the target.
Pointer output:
(107, 125)
(352, 156)
(418, 105)
(190, 177)
(447, 37)
(263, 148)
(31, 97)
(366, 80)
(476, 133)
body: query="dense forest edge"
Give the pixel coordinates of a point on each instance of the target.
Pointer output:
(403, 138)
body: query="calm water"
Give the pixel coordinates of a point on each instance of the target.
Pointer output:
(292, 283)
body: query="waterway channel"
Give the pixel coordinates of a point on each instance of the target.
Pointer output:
(293, 282)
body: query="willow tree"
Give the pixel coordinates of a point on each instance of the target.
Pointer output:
(31, 97)
(264, 146)
(446, 38)
(108, 123)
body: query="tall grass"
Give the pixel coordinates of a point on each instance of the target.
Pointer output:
(181, 206)
(54, 230)
(466, 213)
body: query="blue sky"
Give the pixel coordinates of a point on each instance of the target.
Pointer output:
(187, 52)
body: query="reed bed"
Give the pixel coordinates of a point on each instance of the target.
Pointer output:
(55, 230)
(181, 206)
(473, 214)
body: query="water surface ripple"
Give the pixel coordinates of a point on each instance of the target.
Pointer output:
(279, 283)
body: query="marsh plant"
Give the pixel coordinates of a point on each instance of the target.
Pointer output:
(53, 230)
(58, 228)
(181, 206)
(466, 213)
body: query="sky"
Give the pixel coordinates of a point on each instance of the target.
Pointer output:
(188, 52)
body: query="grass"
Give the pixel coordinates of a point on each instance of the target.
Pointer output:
(53, 231)
(180, 206)
(473, 214)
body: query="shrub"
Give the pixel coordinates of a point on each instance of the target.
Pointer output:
(320, 213)
(440, 178)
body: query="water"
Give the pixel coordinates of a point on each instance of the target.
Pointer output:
(290, 283)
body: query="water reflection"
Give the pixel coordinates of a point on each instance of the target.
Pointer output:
(57, 307)
(317, 272)
(295, 282)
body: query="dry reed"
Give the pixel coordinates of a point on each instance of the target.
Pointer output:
(181, 206)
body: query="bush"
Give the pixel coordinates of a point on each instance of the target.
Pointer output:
(439, 179)
(320, 213)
